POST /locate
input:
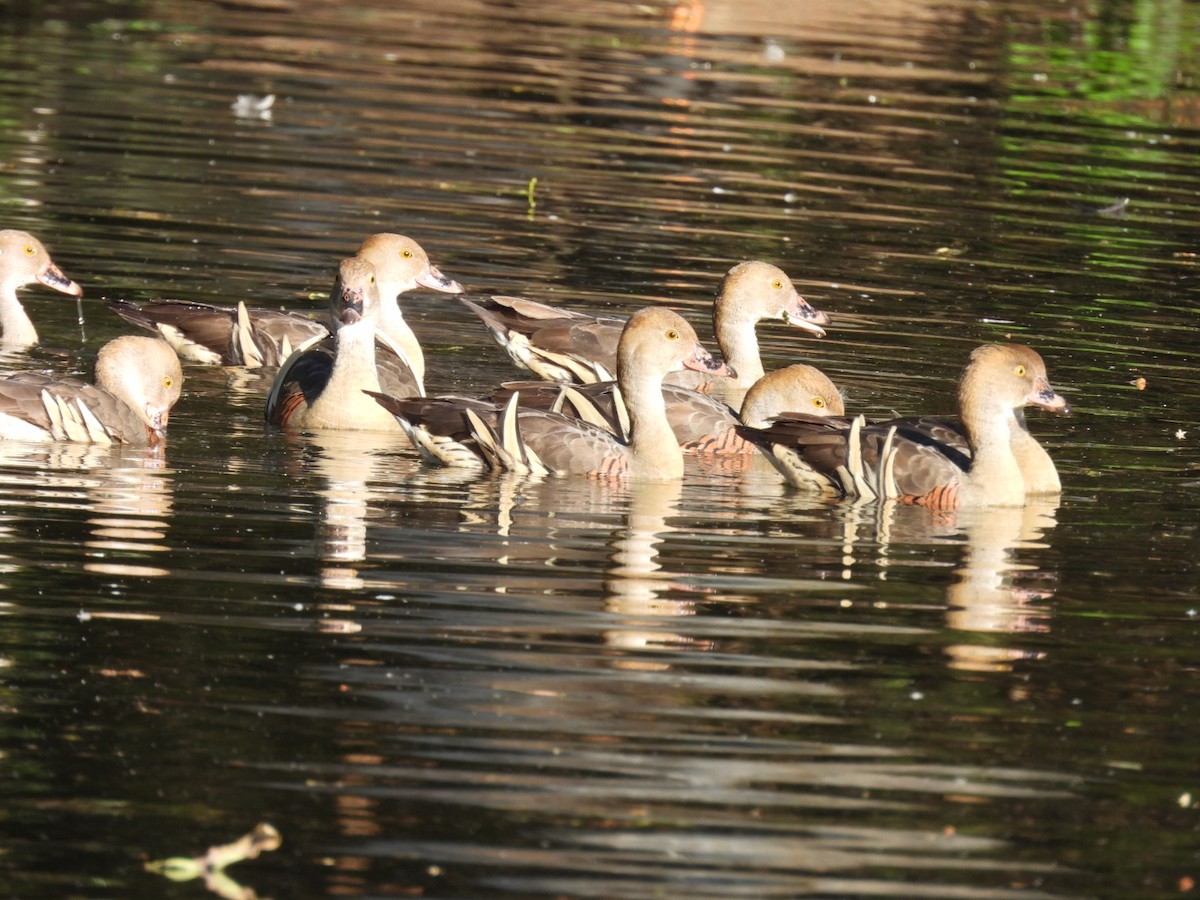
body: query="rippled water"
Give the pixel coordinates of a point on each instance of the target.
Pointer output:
(435, 684)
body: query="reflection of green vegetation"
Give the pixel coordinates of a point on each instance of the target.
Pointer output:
(59, 58)
(1128, 64)
(113, 26)
(1093, 104)
(1127, 50)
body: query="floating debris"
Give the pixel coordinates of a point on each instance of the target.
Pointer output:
(252, 106)
(1111, 211)
(211, 866)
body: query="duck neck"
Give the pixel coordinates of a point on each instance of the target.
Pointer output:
(1037, 468)
(995, 478)
(342, 403)
(739, 345)
(16, 328)
(656, 452)
(393, 324)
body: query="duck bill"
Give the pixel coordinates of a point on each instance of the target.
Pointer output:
(52, 277)
(433, 279)
(1047, 398)
(352, 308)
(703, 361)
(157, 427)
(802, 314)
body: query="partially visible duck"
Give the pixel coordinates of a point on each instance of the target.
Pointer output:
(257, 336)
(752, 292)
(321, 385)
(24, 260)
(795, 388)
(904, 459)
(138, 380)
(654, 342)
(701, 423)
(559, 345)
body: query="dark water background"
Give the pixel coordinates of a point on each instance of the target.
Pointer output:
(450, 686)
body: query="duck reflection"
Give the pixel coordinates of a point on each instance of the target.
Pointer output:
(131, 506)
(128, 491)
(556, 523)
(348, 463)
(994, 591)
(636, 585)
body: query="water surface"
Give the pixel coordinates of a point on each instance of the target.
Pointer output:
(446, 685)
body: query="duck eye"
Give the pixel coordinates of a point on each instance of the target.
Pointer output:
(30, 250)
(672, 334)
(168, 381)
(777, 283)
(1019, 371)
(406, 253)
(819, 402)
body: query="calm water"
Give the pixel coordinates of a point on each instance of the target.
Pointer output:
(449, 686)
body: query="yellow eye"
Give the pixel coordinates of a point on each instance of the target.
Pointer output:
(777, 283)
(30, 250)
(819, 402)
(1019, 371)
(168, 381)
(406, 253)
(672, 334)
(371, 280)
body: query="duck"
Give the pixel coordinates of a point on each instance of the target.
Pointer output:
(138, 379)
(24, 260)
(570, 347)
(702, 424)
(321, 384)
(988, 458)
(655, 341)
(256, 336)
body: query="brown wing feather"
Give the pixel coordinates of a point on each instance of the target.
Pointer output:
(921, 463)
(590, 339)
(818, 452)
(214, 327)
(21, 397)
(444, 416)
(702, 424)
(300, 381)
(395, 375)
(564, 444)
(944, 431)
(549, 396)
(568, 446)
(594, 341)
(533, 394)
